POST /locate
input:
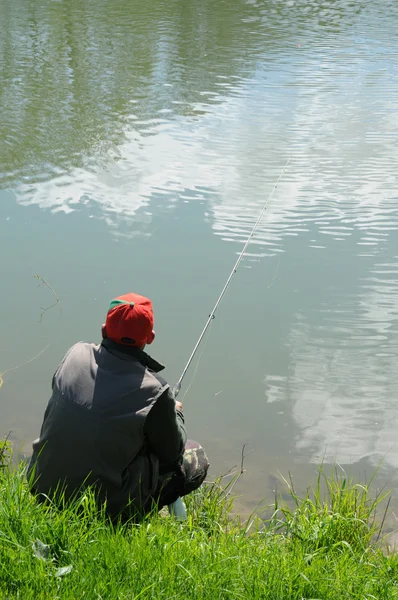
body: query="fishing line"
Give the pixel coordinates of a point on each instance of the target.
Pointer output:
(177, 386)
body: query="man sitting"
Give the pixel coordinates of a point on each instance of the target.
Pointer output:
(113, 423)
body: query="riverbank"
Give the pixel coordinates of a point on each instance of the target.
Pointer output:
(319, 549)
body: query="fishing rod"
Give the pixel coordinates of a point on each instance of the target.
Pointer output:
(177, 387)
(177, 508)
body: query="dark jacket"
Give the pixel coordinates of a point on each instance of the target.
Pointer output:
(111, 422)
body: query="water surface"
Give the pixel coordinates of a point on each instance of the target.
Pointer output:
(139, 144)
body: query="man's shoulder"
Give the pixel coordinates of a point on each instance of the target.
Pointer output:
(159, 378)
(78, 351)
(81, 348)
(156, 380)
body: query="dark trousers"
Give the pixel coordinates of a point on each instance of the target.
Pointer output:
(185, 479)
(182, 480)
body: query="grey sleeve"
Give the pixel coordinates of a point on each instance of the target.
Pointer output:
(164, 430)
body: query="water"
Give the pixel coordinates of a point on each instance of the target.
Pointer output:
(139, 144)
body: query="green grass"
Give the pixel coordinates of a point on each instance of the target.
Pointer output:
(323, 547)
(5, 453)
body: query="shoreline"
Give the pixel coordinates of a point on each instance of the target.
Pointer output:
(328, 544)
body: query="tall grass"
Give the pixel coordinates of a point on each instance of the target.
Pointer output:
(5, 452)
(322, 548)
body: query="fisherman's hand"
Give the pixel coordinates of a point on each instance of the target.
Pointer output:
(178, 406)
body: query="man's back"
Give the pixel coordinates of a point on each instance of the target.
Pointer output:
(93, 428)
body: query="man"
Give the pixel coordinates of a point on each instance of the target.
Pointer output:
(112, 422)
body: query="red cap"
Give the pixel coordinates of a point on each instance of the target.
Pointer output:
(130, 320)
